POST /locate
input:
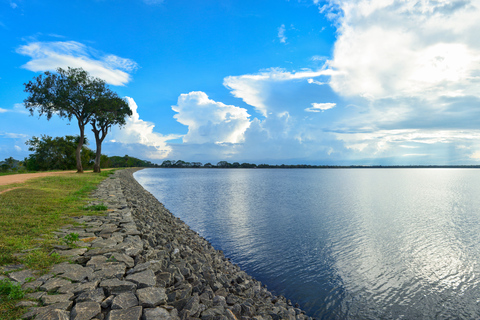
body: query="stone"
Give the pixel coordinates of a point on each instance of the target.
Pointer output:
(110, 270)
(73, 272)
(34, 285)
(71, 252)
(192, 306)
(143, 279)
(21, 276)
(56, 298)
(156, 314)
(126, 314)
(53, 314)
(85, 310)
(26, 304)
(53, 284)
(96, 295)
(121, 257)
(96, 262)
(124, 301)
(151, 297)
(115, 286)
(107, 302)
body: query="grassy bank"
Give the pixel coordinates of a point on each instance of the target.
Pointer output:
(30, 213)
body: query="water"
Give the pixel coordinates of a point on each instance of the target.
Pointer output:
(343, 243)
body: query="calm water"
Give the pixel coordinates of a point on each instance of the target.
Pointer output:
(353, 243)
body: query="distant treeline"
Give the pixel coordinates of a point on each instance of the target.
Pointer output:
(225, 164)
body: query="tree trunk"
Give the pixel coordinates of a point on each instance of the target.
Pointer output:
(79, 148)
(98, 141)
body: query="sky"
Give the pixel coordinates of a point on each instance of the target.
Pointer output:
(328, 82)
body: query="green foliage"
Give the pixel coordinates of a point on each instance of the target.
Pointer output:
(127, 161)
(56, 153)
(11, 165)
(71, 93)
(10, 291)
(71, 238)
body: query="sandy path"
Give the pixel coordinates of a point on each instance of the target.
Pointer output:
(19, 178)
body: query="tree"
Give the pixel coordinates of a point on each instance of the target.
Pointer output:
(68, 93)
(55, 153)
(110, 110)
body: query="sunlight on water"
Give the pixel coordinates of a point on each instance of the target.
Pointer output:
(353, 243)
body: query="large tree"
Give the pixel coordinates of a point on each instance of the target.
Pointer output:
(67, 93)
(109, 111)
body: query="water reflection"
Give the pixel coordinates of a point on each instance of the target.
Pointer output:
(343, 243)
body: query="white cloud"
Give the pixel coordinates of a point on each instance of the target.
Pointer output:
(17, 108)
(3, 110)
(261, 90)
(138, 135)
(393, 48)
(210, 121)
(13, 5)
(281, 34)
(320, 107)
(17, 148)
(52, 55)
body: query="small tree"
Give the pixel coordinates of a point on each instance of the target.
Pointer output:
(110, 110)
(69, 93)
(55, 153)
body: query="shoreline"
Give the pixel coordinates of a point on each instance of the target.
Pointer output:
(141, 262)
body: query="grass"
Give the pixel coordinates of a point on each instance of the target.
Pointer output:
(28, 216)
(31, 212)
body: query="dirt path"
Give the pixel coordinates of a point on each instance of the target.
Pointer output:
(19, 178)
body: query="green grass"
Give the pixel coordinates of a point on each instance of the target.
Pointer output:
(30, 213)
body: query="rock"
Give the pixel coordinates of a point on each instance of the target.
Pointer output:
(53, 284)
(121, 257)
(124, 301)
(71, 252)
(56, 298)
(115, 286)
(96, 295)
(151, 297)
(53, 314)
(73, 272)
(21, 276)
(110, 270)
(126, 314)
(156, 314)
(85, 310)
(143, 279)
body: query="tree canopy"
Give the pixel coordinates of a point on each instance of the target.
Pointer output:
(109, 111)
(55, 153)
(70, 93)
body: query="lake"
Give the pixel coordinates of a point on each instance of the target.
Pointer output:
(343, 243)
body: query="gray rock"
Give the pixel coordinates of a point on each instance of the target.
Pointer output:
(34, 285)
(110, 270)
(96, 295)
(151, 297)
(107, 302)
(121, 257)
(124, 301)
(85, 310)
(156, 314)
(126, 314)
(115, 286)
(56, 298)
(96, 262)
(53, 314)
(71, 252)
(72, 272)
(26, 304)
(143, 279)
(192, 307)
(21, 276)
(53, 284)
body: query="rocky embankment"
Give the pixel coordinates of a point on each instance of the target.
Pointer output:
(140, 262)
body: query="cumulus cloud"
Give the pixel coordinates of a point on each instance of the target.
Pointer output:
(138, 135)
(48, 56)
(17, 108)
(320, 107)
(275, 90)
(210, 121)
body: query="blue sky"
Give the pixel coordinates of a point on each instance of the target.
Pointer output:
(390, 82)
